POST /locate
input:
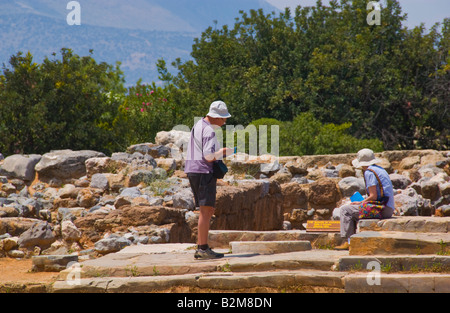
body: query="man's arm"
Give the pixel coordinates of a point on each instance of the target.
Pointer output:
(224, 152)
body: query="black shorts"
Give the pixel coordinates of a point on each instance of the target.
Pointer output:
(204, 189)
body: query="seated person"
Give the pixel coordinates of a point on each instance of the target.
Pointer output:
(349, 214)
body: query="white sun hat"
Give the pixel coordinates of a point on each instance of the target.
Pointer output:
(365, 157)
(218, 109)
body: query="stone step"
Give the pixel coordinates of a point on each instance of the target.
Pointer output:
(222, 238)
(172, 268)
(298, 281)
(396, 263)
(146, 260)
(424, 224)
(397, 283)
(280, 281)
(393, 243)
(269, 247)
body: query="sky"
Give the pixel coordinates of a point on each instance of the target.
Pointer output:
(419, 11)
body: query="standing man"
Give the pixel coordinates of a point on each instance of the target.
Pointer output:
(203, 150)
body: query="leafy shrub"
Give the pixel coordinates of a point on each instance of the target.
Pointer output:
(145, 111)
(306, 135)
(59, 104)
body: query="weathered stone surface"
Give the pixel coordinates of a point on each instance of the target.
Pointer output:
(398, 283)
(322, 160)
(430, 189)
(294, 196)
(20, 166)
(349, 185)
(176, 259)
(16, 254)
(52, 263)
(64, 164)
(131, 192)
(297, 217)
(69, 231)
(407, 224)
(140, 176)
(263, 204)
(443, 211)
(9, 243)
(256, 205)
(8, 211)
(269, 247)
(69, 191)
(111, 244)
(99, 181)
(184, 199)
(433, 158)
(104, 165)
(296, 168)
(406, 205)
(222, 238)
(345, 170)
(324, 193)
(307, 281)
(396, 263)
(399, 181)
(155, 150)
(16, 225)
(70, 213)
(171, 222)
(179, 138)
(444, 189)
(281, 177)
(40, 234)
(388, 242)
(417, 224)
(87, 197)
(409, 162)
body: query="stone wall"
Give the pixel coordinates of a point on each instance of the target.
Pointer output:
(76, 200)
(254, 205)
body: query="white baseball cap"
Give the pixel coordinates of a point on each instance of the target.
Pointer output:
(218, 109)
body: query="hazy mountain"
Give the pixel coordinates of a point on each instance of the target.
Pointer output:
(135, 33)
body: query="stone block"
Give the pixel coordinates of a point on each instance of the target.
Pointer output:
(269, 247)
(390, 243)
(20, 166)
(52, 263)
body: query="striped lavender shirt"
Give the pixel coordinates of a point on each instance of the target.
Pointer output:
(202, 136)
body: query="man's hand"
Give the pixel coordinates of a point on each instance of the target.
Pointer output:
(222, 153)
(227, 152)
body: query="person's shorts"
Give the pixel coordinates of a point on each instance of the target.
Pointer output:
(204, 189)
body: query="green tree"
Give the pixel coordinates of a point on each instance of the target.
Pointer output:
(388, 81)
(146, 110)
(66, 103)
(306, 135)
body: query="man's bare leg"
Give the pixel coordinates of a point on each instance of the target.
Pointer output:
(206, 213)
(204, 251)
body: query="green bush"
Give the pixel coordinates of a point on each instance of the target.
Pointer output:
(387, 80)
(59, 104)
(306, 135)
(145, 111)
